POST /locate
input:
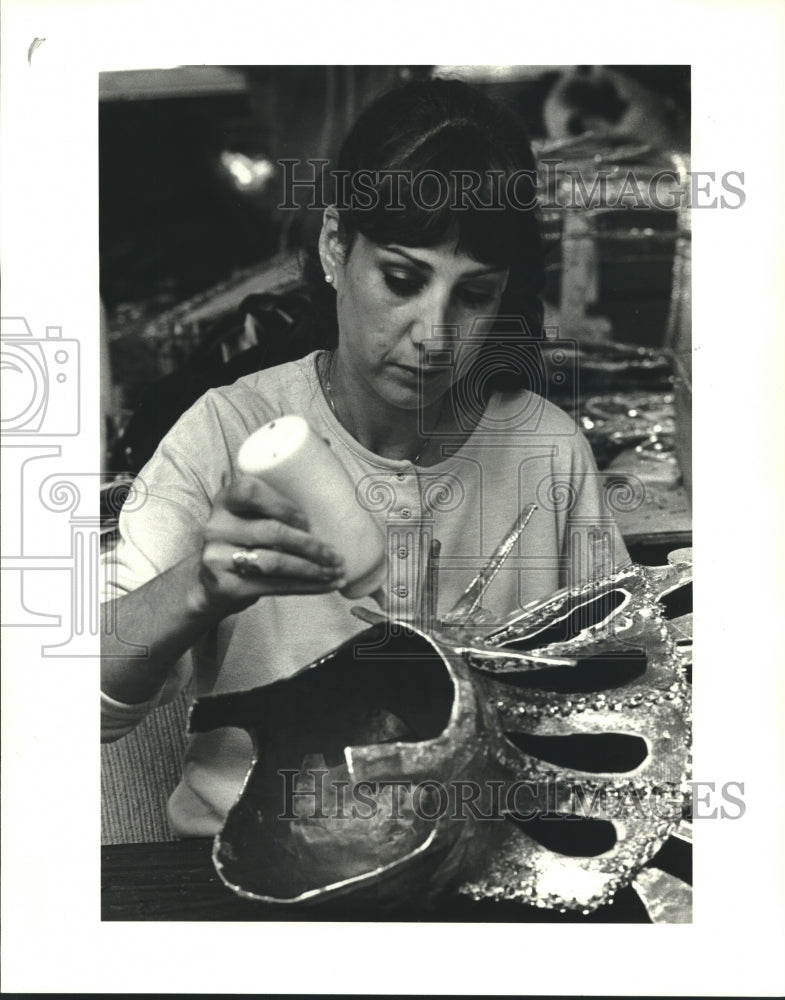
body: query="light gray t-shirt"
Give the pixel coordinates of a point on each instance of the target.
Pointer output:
(523, 450)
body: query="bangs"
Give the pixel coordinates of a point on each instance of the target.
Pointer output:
(451, 186)
(434, 163)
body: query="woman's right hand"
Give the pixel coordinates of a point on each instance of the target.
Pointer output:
(283, 558)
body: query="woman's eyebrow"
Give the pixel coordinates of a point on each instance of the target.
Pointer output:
(425, 266)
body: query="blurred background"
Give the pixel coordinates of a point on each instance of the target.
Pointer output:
(200, 269)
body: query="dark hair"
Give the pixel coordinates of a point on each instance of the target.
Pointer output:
(443, 126)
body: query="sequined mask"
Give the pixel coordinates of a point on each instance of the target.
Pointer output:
(540, 760)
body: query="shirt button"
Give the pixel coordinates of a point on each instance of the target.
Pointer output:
(402, 553)
(405, 512)
(402, 591)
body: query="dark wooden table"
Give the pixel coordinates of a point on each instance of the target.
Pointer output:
(177, 881)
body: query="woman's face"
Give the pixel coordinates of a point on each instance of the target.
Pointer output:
(407, 317)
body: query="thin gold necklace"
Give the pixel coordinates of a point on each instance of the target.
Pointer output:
(328, 385)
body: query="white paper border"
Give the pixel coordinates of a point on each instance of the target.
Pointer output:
(53, 940)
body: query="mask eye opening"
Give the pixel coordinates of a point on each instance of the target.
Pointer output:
(598, 753)
(568, 835)
(579, 616)
(677, 602)
(598, 672)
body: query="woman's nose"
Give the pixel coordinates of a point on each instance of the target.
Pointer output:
(430, 324)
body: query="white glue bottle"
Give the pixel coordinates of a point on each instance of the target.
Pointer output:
(292, 458)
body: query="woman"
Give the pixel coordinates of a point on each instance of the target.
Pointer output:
(430, 302)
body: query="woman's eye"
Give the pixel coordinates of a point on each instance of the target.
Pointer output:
(406, 285)
(403, 285)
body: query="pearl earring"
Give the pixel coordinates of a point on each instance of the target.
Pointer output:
(328, 278)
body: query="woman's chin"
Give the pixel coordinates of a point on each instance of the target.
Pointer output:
(415, 400)
(410, 390)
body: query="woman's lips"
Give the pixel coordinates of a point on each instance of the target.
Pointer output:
(415, 373)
